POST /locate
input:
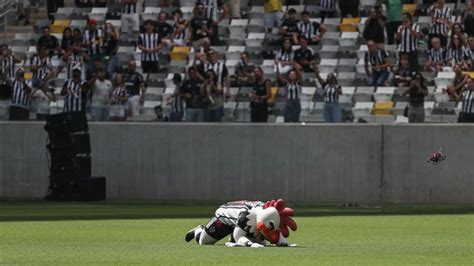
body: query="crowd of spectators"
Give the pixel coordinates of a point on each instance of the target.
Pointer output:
(96, 83)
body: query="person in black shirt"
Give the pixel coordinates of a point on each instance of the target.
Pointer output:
(417, 92)
(67, 40)
(304, 57)
(136, 89)
(111, 46)
(200, 30)
(164, 29)
(49, 41)
(289, 28)
(374, 26)
(193, 94)
(468, 19)
(259, 97)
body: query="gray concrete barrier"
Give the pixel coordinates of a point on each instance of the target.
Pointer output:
(310, 163)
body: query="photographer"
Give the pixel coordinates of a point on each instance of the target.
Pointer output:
(200, 30)
(374, 26)
(417, 92)
(19, 108)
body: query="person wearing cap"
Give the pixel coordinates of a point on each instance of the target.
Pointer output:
(93, 41)
(74, 92)
(19, 108)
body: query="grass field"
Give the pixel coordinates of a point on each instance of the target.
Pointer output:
(43, 233)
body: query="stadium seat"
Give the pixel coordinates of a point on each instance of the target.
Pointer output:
(384, 94)
(180, 53)
(383, 108)
(349, 25)
(409, 8)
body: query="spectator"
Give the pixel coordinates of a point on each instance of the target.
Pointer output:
(92, 71)
(213, 91)
(8, 63)
(468, 19)
(119, 98)
(234, 8)
(130, 17)
(220, 70)
(374, 26)
(23, 11)
(470, 54)
(67, 40)
(74, 92)
(273, 14)
(312, 31)
(93, 42)
(394, 18)
(377, 59)
(194, 94)
(49, 41)
(467, 110)
(111, 46)
(200, 30)
(77, 35)
(259, 97)
(149, 44)
(177, 100)
(304, 56)
(75, 58)
(349, 8)
(436, 56)
(457, 52)
(42, 98)
(440, 21)
(159, 114)
(101, 92)
(331, 92)
(164, 30)
(178, 37)
(327, 9)
(289, 27)
(211, 8)
(5, 87)
(417, 92)
(284, 58)
(41, 67)
(408, 35)
(19, 108)
(293, 95)
(136, 89)
(403, 75)
(458, 83)
(457, 29)
(244, 69)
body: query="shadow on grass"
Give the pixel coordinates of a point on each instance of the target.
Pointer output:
(60, 211)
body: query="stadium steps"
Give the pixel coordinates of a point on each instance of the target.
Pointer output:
(37, 14)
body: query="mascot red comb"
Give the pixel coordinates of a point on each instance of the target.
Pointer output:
(249, 224)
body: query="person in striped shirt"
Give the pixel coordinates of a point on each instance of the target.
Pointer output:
(19, 108)
(293, 95)
(284, 58)
(75, 93)
(211, 8)
(441, 21)
(177, 100)
(93, 42)
(149, 44)
(119, 98)
(377, 59)
(327, 9)
(178, 37)
(8, 62)
(467, 110)
(331, 92)
(41, 67)
(75, 57)
(200, 30)
(408, 35)
(457, 53)
(458, 83)
(312, 31)
(436, 57)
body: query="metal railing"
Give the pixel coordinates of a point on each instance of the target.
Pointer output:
(6, 7)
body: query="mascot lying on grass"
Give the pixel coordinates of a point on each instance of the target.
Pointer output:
(249, 224)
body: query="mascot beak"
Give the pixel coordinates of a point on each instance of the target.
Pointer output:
(271, 235)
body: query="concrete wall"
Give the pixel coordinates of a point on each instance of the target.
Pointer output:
(312, 163)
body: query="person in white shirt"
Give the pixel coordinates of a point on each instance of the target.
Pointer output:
(101, 91)
(42, 99)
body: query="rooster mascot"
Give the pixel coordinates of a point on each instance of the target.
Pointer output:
(249, 224)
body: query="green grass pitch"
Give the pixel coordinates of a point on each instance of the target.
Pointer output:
(43, 233)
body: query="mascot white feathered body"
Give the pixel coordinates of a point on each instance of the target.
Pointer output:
(249, 224)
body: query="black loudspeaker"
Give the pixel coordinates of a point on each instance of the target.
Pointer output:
(70, 170)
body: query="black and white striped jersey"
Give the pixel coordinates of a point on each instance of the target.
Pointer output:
(437, 55)
(308, 30)
(408, 42)
(43, 64)
(439, 27)
(90, 38)
(130, 8)
(230, 212)
(177, 103)
(178, 35)
(327, 5)
(285, 56)
(293, 91)
(219, 68)
(376, 58)
(457, 56)
(73, 101)
(330, 93)
(120, 92)
(149, 41)
(468, 101)
(211, 8)
(74, 61)
(20, 97)
(7, 66)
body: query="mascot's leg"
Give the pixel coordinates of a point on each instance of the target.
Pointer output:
(214, 231)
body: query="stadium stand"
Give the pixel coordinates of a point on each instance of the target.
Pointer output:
(340, 50)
